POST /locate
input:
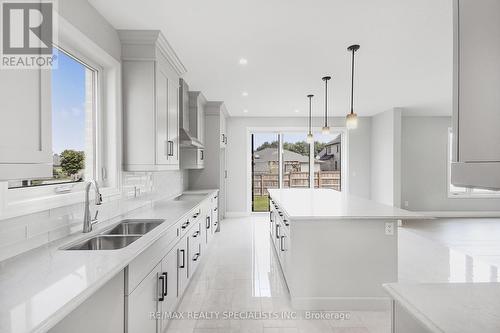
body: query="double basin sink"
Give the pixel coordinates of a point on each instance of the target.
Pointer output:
(121, 235)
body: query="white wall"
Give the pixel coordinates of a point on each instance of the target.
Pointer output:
(87, 19)
(424, 166)
(385, 157)
(237, 159)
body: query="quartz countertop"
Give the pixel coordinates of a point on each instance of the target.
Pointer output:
(327, 204)
(451, 307)
(42, 286)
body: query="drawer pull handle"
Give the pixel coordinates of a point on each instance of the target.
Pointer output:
(162, 294)
(185, 225)
(196, 256)
(196, 234)
(183, 258)
(165, 274)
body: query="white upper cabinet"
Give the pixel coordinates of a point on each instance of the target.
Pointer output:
(151, 72)
(25, 124)
(476, 110)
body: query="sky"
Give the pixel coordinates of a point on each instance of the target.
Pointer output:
(68, 101)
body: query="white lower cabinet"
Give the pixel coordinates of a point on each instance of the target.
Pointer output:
(150, 298)
(170, 295)
(143, 302)
(182, 265)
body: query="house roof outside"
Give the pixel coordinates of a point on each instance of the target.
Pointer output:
(262, 157)
(322, 156)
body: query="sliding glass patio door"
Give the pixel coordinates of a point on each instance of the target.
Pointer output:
(287, 160)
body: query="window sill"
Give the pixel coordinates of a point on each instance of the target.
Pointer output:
(34, 205)
(472, 196)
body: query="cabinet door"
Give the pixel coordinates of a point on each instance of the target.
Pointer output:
(143, 301)
(182, 264)
(25, 124)
(173, 123)
(163, 146)
(169, 271)
(479, 80)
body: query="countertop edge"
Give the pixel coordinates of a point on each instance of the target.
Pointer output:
(411, 309)
(77, 300)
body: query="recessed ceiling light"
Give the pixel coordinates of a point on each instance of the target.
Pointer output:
(245, 111)
(244, 94)
(296, 110)
(243, 61)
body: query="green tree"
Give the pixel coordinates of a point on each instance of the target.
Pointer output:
(273, 144)
(72, 161)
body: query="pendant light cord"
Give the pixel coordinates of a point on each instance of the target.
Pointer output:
(326, 103)
(310, 113)
(352, 82)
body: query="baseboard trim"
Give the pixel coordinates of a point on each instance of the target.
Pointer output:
(342, 303)
(236, 214)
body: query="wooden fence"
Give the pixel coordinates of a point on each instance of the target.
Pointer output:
(322, 179)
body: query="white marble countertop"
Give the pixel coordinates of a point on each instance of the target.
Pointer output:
(42, 286)
(451, 307)
(318, 204)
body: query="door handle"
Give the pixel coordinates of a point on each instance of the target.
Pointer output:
(170, 148)
(162, 294)
(183, 258)
(165, 274)
(202, 155)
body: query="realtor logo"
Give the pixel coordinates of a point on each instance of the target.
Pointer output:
(27, 34)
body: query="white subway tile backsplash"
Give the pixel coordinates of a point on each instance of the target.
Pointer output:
(21, 234)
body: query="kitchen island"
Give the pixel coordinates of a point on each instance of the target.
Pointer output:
(335, 250)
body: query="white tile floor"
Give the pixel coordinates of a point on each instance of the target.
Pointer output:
(240, 274)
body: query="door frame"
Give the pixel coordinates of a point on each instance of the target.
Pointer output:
(344, 162)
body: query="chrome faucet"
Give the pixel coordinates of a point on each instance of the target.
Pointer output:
(88, 221)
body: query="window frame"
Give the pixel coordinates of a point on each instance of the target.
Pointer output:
(467, 192)
(107, 139)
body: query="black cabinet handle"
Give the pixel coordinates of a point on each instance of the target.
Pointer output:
(277, 231)
(185, 225)
(202, 155)
(196, 256)
(282, 243)
(183, 258)
(196, 234)
(165, 274)
(170, 148)
(162, 294)
(215, 209)
(207, 225)
(286, 223)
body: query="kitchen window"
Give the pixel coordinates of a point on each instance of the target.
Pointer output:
(464, 192)
(74, 115)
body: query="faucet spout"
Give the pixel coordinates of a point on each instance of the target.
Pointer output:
(88, 221)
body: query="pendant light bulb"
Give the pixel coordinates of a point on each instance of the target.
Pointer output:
(352, 118)
(351, 121)
(325, 130)
(310, 137)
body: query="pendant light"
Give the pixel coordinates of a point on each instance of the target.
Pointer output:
(310, 137)
(326, 128)
(352, 118)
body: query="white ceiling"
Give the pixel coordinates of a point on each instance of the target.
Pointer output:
(405, 58)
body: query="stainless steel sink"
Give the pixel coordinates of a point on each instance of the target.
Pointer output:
(104, 242)
(134, 227)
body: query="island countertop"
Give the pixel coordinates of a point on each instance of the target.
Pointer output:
(451, 307)
(328, 204)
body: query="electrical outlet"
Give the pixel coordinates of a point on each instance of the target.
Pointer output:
(389, 228)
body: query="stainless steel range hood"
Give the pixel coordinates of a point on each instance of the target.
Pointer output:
(186, 139)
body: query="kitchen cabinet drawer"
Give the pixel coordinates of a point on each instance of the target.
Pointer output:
(194, 245)
(141, 265)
